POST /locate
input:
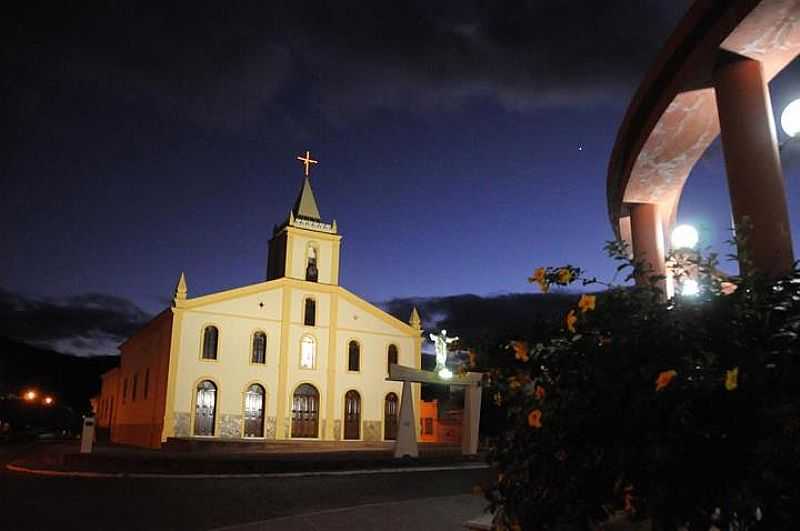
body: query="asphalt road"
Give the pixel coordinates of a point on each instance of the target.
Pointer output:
(42, 503)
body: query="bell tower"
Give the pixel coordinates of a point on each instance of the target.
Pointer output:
(304, 247)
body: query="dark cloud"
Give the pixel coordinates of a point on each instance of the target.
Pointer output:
(225, 66)
(88, 324)
(473, 317)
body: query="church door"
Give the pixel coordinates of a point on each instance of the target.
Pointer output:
(254, 411)
(205, 408)
(390, 417)
(352, 415)
(305, 411)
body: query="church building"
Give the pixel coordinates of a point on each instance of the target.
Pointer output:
(294, 357)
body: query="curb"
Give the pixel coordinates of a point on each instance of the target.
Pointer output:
(107, 475)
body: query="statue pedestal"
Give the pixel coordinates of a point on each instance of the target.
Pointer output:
(406, 443)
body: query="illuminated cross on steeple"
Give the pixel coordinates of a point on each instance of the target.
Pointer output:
(307, 161)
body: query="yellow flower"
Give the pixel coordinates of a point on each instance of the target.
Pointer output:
(587, 303)
(571, 320)
(520, 350)
(564, 276)
(535, 419)
(664, 379)
(540, 277)
(514, 384)
(732, 379)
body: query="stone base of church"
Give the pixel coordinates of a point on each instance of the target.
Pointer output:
(288, 446)
(372, 430)
(229, 429)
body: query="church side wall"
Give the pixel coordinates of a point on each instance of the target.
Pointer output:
(107, 402)
(237, 320)
(141, 384)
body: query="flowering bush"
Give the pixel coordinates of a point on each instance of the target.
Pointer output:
(684, 412)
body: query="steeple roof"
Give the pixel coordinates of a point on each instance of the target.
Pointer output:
(306, 204)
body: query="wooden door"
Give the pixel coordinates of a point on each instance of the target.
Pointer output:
(305, 411)
(205, 409)
(254, 411)
(352, 415)
(390, 417)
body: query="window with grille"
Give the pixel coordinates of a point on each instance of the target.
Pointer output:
(353, 356)
(210, 341)
(308, 352)
(259, 354)
(391, 356)
(311, 312)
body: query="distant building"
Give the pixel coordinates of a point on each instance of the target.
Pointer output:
(294, 357)
(440, 426)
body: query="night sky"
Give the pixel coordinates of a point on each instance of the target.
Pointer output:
(461, 144)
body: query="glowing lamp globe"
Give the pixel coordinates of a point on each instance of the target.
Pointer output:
(689, 288)
(790, 118)
(684, 237)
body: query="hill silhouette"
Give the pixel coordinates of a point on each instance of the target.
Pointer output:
(72, 380)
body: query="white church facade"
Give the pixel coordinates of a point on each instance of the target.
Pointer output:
(294, 357)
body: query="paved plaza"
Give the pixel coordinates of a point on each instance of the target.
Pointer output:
(408, 500)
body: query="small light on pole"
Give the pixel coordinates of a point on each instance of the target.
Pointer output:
(30, 395)
(790, 118)
(48, 400)
(689, 287)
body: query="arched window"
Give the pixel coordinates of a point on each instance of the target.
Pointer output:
(254, 411)
(308, 352)
(205, 408)
(390, 417)
(353, 356)
(352, 415)
(210, 340)
(391, 356)
(312, 273)
(310, 312)
(259, 354)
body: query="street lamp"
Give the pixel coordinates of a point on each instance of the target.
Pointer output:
(30, 395)
(684, 240)
(48, 400)
(689, 287)
(684, 237)
(790, 119)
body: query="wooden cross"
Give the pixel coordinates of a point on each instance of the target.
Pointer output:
(307, 161)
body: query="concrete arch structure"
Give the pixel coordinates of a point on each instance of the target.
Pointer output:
(710, 78)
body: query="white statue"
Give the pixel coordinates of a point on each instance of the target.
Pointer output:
(441, 341)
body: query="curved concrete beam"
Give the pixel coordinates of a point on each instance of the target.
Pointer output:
(672, 118)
